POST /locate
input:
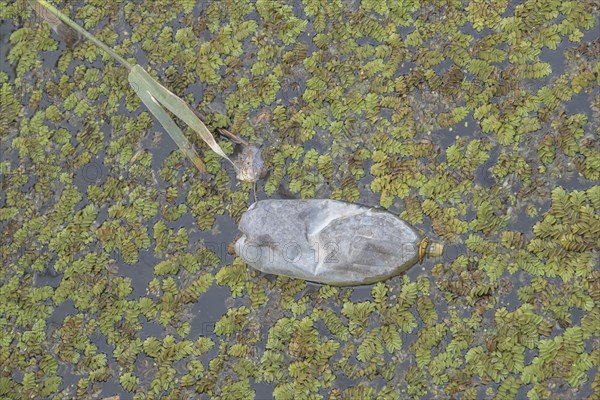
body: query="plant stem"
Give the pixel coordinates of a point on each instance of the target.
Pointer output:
(83, 32)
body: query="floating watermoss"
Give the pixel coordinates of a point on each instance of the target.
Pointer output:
(362, 95)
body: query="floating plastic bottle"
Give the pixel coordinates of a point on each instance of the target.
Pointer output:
(327, 241)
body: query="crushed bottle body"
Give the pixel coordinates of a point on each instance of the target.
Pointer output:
(326, 241)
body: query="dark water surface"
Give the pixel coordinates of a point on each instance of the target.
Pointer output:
(457, 345)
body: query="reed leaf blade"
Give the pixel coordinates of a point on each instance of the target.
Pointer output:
(174, 104)
(165, 120)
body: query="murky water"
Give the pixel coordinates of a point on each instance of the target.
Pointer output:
(457, 297)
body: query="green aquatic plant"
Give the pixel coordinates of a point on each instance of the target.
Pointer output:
(382, 78)
(568, 229)
(154, 96)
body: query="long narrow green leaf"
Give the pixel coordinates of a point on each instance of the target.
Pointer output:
(174, 104)
(154, 95)
(166, 121)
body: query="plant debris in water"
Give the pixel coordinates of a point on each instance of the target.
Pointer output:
(477, 121)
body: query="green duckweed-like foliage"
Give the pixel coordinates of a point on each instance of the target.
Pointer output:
(568, 232)
(453, 115)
